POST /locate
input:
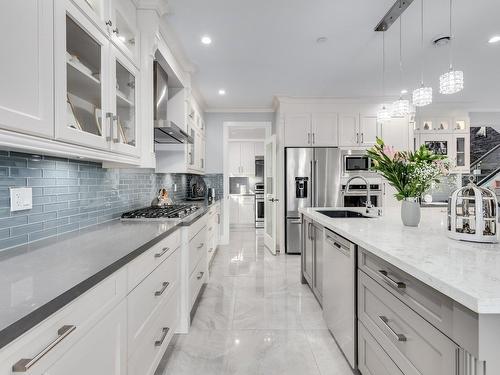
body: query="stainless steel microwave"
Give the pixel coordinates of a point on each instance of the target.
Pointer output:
(354, 162)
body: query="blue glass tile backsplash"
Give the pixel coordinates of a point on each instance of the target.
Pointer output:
(72, 194)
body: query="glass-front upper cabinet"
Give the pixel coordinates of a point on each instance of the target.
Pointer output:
(81, 51)
(98, 11)
(124, 32)
(124, 103)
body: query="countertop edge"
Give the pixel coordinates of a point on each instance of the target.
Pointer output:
(459, 296)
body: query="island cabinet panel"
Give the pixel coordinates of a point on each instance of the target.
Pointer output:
(415, 346)
(372, 359)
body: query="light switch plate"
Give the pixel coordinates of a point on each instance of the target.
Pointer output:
(21, 199)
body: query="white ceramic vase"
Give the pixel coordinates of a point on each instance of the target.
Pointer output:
(410, 212)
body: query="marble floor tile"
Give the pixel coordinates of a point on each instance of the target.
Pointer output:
(255, 317)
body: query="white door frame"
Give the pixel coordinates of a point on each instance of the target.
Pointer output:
(270, 199)
(225, 142)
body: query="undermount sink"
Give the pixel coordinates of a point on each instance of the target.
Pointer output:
(342, 214)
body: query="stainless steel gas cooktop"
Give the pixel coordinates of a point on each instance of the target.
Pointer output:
(176, 211)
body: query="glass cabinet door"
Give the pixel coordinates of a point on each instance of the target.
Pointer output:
(124, 31)
(124, 114)
(98, 11)
(81, 60)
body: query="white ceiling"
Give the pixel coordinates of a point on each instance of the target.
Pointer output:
(264, 48)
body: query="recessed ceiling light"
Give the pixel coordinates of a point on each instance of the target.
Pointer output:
(404, 91)
(206, 40)
(494, 39)
(222, 92)
(322, 39)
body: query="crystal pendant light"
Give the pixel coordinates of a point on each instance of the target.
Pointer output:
(401, 107)
(384, 114)
(453, 81)
(423, 95)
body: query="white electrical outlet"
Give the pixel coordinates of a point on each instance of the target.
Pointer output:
(21, 199)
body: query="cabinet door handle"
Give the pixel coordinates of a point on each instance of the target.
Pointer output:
(114, 133)
(164, 287)
(397, 336)
(218, 218)
(314, 138)
(109, 135)
(390, 281)
(308, 138)
(163, 336)
(200, 275)
(211, 249)
(162, 252)
(25, 364)
(200, 245)
(362, 138)
(357, 137)
(109, 23)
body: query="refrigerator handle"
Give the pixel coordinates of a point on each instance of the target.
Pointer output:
(316, 190)
(313, 183)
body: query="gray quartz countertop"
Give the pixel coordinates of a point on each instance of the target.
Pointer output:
(467, 272)
(39, 278)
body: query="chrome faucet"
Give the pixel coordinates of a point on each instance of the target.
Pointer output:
(368, 203)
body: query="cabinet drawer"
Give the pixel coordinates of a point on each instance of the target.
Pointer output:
(67, 326)
(152, 346)
(196, 281)
(433, 306)
(144, 264)
(372, 359)
(197, 226)
(197, 248)
(414, 345)
(144, 300)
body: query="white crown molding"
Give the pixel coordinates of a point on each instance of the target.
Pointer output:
(240, 110)
(159, 6)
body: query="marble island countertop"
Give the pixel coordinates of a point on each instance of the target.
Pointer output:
(467, 272)
(39, 278)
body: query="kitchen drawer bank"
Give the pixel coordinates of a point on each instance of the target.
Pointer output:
(126, 312)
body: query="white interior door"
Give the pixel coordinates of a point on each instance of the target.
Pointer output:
(270, 202)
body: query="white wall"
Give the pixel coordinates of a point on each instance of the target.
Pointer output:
(214, 134)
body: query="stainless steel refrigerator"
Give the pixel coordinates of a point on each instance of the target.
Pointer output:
(312, 178)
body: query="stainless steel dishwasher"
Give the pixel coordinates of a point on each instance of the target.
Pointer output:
(339, 293)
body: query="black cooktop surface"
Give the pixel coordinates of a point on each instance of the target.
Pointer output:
(176, 211)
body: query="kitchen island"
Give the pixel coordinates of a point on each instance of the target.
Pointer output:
(460, 281)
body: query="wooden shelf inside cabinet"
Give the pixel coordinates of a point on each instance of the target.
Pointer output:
(123, 101)
(83, 85)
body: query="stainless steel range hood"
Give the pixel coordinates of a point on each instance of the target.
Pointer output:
(167, 132)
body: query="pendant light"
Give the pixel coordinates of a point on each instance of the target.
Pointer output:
(401, 107)
(384, 114)
(453, 81)
(423, 95)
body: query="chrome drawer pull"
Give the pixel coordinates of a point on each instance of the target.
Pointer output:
(165, 285)
(201, 245)
(163, 336)
(397, 336)
(200, 275)
(394, 283)
(163, 251)
(25, 364)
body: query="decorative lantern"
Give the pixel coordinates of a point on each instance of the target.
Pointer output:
(473, 214)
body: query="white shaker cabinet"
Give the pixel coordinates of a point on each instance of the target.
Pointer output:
(27, 73)
(397, 133)
(242, 158)
(368, 130)
(357, 130)
(234, 158)
(242, 210)
(107, 358)
(325, 130)
(348, 129)
(298, 130)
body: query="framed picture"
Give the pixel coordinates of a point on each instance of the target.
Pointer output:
(437, 147)
(71, 117)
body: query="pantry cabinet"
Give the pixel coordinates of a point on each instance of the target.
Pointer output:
(242, 158)
(27, 75)
(242, 210)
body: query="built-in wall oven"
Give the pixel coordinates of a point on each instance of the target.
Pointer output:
(259, 205)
